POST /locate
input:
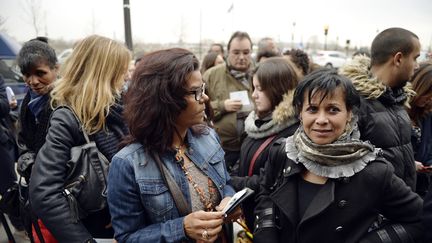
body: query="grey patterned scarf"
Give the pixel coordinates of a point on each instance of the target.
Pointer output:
(342, 158)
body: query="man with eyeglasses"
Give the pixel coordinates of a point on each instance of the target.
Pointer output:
(222, 81)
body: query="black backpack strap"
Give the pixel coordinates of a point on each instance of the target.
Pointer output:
(35, 223)
(277, 153)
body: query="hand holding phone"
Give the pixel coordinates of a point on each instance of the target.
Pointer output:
(237, 199)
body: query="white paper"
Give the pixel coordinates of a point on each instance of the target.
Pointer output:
(10, 94)
(244, 98)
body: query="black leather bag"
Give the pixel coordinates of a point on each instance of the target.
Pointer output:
(86, 181)
(9, 202)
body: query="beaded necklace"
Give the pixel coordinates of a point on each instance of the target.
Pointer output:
(207, 202)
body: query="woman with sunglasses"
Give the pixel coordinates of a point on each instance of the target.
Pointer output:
(169, 183)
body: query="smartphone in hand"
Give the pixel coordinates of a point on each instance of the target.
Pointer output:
(237, 199)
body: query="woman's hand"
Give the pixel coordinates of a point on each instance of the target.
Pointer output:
(421, 168)
(232, 105)
(237, 213)
(222, 204)
(203, 226)
(13, 103)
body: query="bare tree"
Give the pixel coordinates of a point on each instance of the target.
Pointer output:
(181, 31)
(2, 24)
(33, 11)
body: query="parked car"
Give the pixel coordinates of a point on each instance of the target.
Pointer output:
(329, 59)
(64, 55)
(13, 78)
(424, 56)
(9, 49)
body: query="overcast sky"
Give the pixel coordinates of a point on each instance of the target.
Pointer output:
(168, 20)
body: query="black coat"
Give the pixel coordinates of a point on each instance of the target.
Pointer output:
(343, 209)
(427, 214)
(386, 124)
(383, 119)
(31, 135)
(50, 170)
(248, 149)
(7, 143)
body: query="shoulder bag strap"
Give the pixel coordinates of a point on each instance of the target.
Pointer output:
(101, 156)
(86, 137)
(258, 152)
(35, 223)
(174, 189)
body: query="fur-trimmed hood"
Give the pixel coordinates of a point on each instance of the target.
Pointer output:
(282, 117)
(369, 86)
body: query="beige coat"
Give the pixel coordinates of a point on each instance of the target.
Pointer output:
(220, 83)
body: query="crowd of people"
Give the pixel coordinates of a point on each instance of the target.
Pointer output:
(161, 144)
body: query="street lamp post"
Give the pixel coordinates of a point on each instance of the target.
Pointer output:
(326, 28)
(127, 24)
(292, 36)
(347, 46)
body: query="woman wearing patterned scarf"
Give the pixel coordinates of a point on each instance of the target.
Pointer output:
(324, 184)
(274, 117)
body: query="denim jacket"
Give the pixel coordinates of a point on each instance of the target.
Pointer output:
(140, 203)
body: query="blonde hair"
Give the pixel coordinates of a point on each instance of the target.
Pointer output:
(92, 79)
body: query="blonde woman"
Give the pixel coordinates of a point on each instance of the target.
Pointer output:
(92, 80)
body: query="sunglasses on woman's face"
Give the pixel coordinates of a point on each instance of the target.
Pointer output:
(198, 92)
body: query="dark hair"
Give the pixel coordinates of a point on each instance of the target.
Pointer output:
(156, 96)
(263, 43)
(33, 53)
(276, 77)
(361, 52)
(217, 44)
(138, 57)
(299, 58)
(41, 38)
(209, 111)
(208, 61)
(325, 81)
(422, 85)
(265, 53)
(241, 35)
(389, 42)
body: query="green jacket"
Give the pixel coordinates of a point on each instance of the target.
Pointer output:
(220, 83)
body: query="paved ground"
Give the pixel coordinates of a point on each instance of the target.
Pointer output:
(19, 237)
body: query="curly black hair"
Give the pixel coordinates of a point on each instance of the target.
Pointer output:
(299, 58)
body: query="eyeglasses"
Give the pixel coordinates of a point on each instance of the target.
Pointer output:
(198, 92)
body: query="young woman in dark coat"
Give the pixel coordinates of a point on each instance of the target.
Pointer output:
(274, 82)
(420, 112)
(324, 184)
